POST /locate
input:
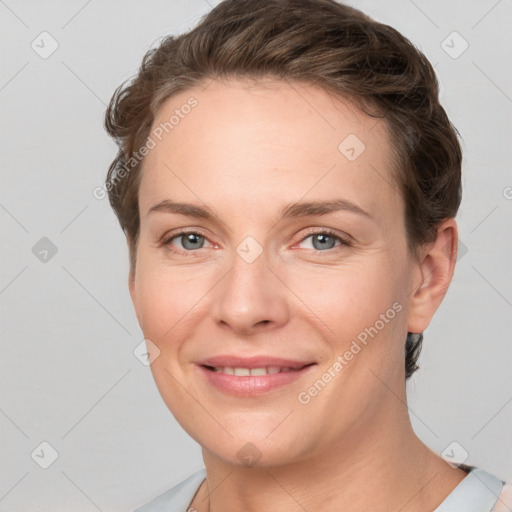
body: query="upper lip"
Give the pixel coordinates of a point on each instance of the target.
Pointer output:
(223, 361)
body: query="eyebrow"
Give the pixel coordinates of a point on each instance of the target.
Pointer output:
(293, 210)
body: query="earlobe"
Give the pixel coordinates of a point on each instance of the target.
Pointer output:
(433, 276)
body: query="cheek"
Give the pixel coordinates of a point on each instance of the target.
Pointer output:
(346, 299)
(359, 311)
(167, 297)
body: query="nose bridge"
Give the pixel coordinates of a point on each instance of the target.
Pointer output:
(250, 295)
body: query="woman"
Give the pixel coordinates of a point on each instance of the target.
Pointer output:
(287, 182)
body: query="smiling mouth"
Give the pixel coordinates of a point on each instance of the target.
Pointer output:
(258, 380)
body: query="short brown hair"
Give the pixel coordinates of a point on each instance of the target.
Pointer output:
(318, 42)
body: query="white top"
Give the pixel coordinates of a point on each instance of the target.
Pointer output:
(479, 491)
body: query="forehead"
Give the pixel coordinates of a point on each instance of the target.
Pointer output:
(280, 140)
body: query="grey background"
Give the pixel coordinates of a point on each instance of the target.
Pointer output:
(68, 374)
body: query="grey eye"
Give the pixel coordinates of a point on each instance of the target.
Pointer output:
(191, 241)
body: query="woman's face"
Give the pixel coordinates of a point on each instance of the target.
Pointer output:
(295, 257)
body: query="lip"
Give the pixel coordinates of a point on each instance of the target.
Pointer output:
(252, 385)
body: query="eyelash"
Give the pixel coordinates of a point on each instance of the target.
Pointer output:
(344, 241)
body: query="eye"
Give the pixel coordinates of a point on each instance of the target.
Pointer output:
(325, 240)
(189, 241)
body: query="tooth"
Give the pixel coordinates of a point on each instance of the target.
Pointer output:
(242, 372)
(258, 371)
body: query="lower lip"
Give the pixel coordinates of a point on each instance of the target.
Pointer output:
(252, 385)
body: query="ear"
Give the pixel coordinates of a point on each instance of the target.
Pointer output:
(432, 276)
(131, 285)
(133, 293)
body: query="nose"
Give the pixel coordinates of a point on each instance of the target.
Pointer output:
(251, 297)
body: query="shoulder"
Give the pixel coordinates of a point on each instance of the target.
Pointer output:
(504, 503)
(479, 491)
(177, 498)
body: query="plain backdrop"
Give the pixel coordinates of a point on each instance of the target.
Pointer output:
(68, 374)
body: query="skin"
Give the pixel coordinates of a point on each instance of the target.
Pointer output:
(246, 151)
